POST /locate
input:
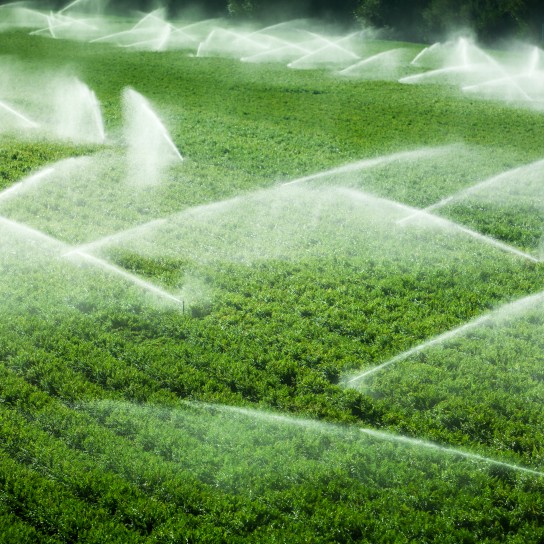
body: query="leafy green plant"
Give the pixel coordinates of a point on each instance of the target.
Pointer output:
(105, 434)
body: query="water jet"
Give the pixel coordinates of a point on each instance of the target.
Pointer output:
(508, 309)
(17, 116)
(415, 442)
(25, 184)
(78, 254)
(150, 147)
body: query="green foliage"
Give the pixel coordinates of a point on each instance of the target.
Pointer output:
(103, 434)
(20, 158)
(484, 386)
(518, 225)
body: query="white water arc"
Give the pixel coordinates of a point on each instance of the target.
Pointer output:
(413, 212)
(140, 230)
(284, 53)
(382, 60)
(479, 186)
(157, 43)
(150, 147)
(151, 32)
(25, 184)
(197, 31)
(488, 240)
(359, 165)
(105, 265)
(60, 26)
(221, 42)
(33, 233)
(462, 45)
(331, 53)
(468, 59)
(150, 117)
(503, 71)
(505, 76)
(497, 86)
(448, 450)
(78, 116)
(316, 425)
(534, 60)
(135, 232)
(17, 15)
(363, 438)
(371, 163)
(180, 39)
(353, 194)
(18, 115)
(96, 244)
(85, 6)
(493, 241)
(113, 36)
(424, 52)
(507, 309)
(66, 251)
(71, 5)
(459, 69)
(514, 173)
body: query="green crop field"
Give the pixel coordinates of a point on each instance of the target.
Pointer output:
(323, 325)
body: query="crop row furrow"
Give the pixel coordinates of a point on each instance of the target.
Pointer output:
(107, 470)
(15, 530)
(50, 508)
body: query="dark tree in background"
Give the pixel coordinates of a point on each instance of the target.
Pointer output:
(340, 11)
(488, 18)
(428, 20)
(417, 20)
(420, 20)
(399, 18)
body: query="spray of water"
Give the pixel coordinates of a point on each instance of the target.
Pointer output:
(425, 51)
(26, 184)
(33, 234)
(151, 33)
(448, 451)
(371, 163)
(502, 312)
(136, 231)
(85, 6)
(284, 53)
(509, 176)
(17, 115)
(79, 255)
(77, 112)
(150, 147)
(479, 73)
(382, 65)
(332, 54)
(56, 105)
(17, 15)
(222, 42)
(145, 285)
(240, 424)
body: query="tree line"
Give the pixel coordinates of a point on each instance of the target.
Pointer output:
(423, 20)
(418, 20)
(426, 20)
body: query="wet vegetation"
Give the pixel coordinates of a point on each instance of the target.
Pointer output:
(127, 417)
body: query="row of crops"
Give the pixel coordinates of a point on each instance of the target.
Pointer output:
(315, 231)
